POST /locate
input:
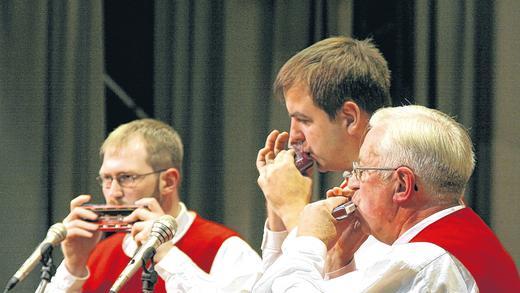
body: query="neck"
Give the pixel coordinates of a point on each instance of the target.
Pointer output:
(417, 216)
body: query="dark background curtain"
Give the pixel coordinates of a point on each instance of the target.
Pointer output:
(72, 71)
(51, 119)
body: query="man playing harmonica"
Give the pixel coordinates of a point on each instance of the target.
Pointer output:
(412, 170)
(142, 163)
(330, 89)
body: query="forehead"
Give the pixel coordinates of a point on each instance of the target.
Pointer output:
(131, 156)
(369, 148)
(298, 98)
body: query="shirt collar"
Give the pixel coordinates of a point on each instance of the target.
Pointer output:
(412, 232)
(184, 220)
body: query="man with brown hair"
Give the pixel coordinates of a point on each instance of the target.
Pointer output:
(142, 163)
(330, 90)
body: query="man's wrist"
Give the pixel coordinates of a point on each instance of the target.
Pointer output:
(77, 269)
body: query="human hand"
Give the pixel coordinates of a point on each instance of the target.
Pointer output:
(342, 252)
(316, 220)
(82, 236)
(143, 218)
(274, 143)
(287, 191)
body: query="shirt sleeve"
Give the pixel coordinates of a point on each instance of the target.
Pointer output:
(235, 269)
(63, 281)
(418, 267)
(271, 246)
(298, 269)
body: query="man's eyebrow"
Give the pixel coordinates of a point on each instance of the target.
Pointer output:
(298, 115)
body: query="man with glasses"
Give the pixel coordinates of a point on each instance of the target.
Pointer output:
(142, 163)
(413, 167)
(330, 89)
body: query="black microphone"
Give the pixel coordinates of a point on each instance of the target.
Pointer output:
(163, 230)
(55, 235)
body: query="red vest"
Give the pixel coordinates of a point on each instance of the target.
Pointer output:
(200, 243)
(464, 235)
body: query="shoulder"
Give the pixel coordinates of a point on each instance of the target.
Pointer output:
(420, 266)
(211, 229)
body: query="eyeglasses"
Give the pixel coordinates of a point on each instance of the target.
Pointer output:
(357, 171)
(124, 180)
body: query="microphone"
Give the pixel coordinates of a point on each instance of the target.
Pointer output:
(55, 235)
(163, 230)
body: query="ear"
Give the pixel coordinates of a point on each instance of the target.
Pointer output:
(406, 185)
(170, 180)
(355, 119)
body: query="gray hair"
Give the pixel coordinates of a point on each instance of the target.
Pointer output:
(435, 146)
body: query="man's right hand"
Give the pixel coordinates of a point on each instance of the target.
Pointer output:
(351, 238)
(287, 191)
(82, 236)
(274, 143)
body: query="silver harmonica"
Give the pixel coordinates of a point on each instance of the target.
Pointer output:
(344, 210)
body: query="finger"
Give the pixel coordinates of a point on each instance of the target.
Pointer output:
(81, 225)
(347, 192)
(79, 200)
(269, 157)
(263, 153)
(79, 233)
(281, 142)
(335, 201)
(82, 214)
(334, 191)
(261, 159)
(141, 237)
(138, 227)
(271, 139)
(149, 203)
(141, 214)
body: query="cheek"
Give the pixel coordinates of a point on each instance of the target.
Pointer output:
(369, 206)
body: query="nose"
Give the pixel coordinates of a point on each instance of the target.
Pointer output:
(295, 133)
(352, 183)
(114, 191)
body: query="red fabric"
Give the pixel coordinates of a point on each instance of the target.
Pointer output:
(200, 243)
(464, 235)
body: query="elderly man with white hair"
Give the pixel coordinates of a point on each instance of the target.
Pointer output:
(412, 170)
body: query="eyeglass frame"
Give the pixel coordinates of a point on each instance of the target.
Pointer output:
(130, 180)
(357, 171)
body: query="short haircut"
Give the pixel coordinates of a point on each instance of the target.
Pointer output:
(336, 70)
(435, 146)
(163, 143)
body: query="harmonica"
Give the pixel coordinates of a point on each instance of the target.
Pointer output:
(110, 217)
(302, 160)
(344, 210)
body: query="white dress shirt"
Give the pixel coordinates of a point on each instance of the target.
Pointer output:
(370, 251)
(405, 267)
(235, 268)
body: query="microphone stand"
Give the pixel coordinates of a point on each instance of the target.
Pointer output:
(149, 275)
(48, 269)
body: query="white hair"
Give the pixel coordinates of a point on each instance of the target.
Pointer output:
(435, 146)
